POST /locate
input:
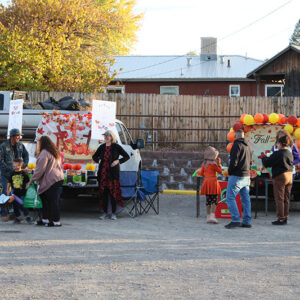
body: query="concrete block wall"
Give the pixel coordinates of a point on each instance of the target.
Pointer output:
(176, 168)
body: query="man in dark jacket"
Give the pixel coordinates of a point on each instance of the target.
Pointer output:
(9, 150)
(239, 181)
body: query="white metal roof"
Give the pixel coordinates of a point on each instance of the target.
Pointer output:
(171, 67)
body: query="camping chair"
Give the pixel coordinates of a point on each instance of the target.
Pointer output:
(128, 183)
(150, 188)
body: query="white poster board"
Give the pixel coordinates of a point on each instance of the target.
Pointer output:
(103, 118)
(15, 115)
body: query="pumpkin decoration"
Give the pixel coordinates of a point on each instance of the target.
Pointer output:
(76, 167)
(67, 167)
(90, 167)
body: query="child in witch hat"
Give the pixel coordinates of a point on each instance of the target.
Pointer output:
(210, 186)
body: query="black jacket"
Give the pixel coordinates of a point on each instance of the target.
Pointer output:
(240, 159)
(116, 151)
(281, 161)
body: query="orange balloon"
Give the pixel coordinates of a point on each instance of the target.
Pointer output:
(298, 143)
(259, 118)
(229, 146)
(242, 117)
(281, 119)
(298, 122)
(230, 136)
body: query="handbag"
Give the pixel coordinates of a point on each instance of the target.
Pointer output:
(32, 199)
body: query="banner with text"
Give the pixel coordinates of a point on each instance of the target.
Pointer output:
(15, 117)
(103, 117)
(261, 138)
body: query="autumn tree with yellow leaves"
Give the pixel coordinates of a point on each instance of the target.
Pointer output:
(64, 45)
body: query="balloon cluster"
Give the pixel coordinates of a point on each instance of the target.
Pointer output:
(292, 125)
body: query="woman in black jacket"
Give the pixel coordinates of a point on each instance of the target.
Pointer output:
(107, 155)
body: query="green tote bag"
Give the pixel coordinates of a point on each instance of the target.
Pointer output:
(32, 199)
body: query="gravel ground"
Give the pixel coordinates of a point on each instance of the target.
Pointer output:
(170, 256)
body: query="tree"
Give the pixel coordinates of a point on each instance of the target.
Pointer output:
(295, 38)
(63, 45)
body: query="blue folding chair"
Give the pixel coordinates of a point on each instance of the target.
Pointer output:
(150, 188)
(128, 183)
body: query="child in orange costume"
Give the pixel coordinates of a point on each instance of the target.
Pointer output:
(210, 186)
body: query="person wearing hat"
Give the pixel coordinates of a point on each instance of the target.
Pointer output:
(210, 186)
(107, 155)
(9, 150)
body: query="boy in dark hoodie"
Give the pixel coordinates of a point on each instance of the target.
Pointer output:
(239, 181)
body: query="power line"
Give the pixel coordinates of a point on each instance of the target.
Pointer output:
(257, 20)
(227, 36)
(221, 39)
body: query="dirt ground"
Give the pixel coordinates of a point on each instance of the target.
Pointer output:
(170, 256)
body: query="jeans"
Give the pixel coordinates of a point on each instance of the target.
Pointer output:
(18, 207)
(239, 185)
(4, 182)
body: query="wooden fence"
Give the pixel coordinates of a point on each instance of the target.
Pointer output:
(176, 120)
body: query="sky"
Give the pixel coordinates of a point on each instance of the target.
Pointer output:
(174, 27)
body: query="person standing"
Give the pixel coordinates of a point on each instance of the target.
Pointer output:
(210, 186)
(10, 150)
(49, 175)
(239, 181)
(291, 147)
(281, 162)
(107, 155)
(17, 184)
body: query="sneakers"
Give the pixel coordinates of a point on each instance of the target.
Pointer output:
(208, 219)
(278, 222)
(39, 223)
(113, 217)
(103, 216)
(246, 225)
(213, 219)
(233, 225)
(53, 224)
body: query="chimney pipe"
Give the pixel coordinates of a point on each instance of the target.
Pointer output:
(228, 63)
(189, 61)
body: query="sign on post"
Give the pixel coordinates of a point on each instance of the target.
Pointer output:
(15, 115)
(103, 118)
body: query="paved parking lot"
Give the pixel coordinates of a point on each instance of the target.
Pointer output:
(169, 256)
